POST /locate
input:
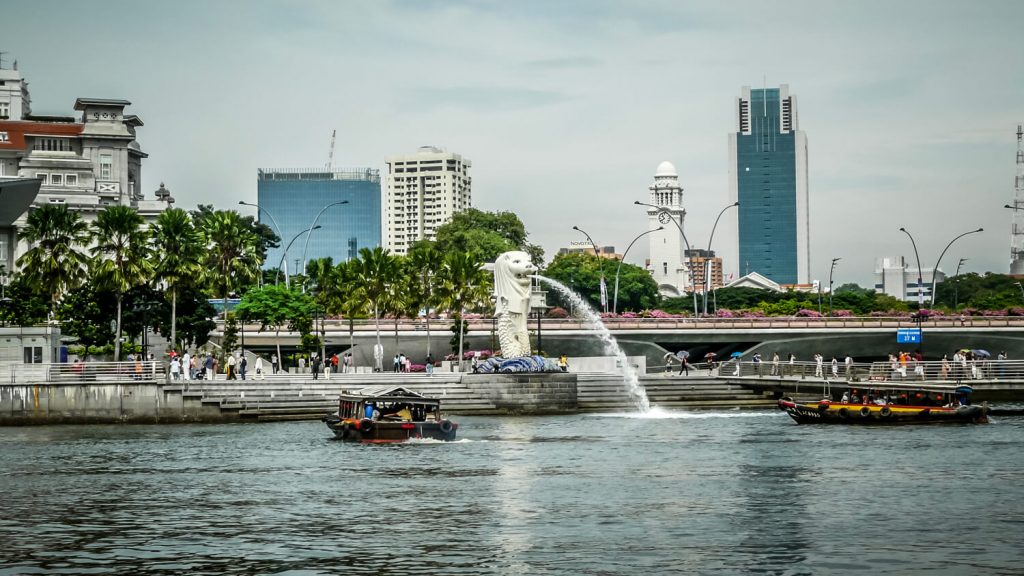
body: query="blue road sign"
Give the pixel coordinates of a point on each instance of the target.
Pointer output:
(908, 335)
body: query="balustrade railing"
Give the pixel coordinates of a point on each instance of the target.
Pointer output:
(83, 372)
(909, 373)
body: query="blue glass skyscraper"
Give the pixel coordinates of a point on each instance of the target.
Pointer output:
(768, 176)
(292, 198)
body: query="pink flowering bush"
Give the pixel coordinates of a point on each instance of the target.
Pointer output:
(417, 367)
(724, 313)
(629, 315)
(805, 313)
(993, 313)
(1016, 311)
(557, 312)
(608, 315)
(753, 314)
(661, 314)
(842, 313)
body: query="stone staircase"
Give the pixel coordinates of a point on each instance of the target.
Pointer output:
(600, 392)
(280, 397)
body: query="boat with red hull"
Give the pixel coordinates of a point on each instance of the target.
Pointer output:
(901, 405)
(389, 415)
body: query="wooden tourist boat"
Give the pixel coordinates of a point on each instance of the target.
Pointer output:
(893, 405)
(387, 415)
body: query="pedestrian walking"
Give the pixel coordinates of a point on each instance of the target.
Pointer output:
(259, 369)
(396, 364)
(242, 363)
(273, 363)
(818, 361)
(175, 368)
(430, 364)
(186, 366)
(835, 367)
(848, 362)
(315, 366)
(232, 363)
(775, 364)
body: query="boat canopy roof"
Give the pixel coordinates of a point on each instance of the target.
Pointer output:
(389, 394)
(907, 386)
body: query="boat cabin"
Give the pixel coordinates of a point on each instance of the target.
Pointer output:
(393, 403)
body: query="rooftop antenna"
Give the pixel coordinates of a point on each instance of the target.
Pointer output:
(330, 155)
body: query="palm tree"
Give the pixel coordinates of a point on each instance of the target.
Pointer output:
(120, 256)
(232, 253)
(464, 284)
(352, 292)
(323, 277)
(424, 263)
(378, 269)
(57, 262)
(179, 250)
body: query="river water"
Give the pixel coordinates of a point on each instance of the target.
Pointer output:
(672, 493)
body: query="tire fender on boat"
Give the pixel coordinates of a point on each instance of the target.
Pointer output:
(445, 426)
(365, 425)
(885, 412)
(865, 412)
(844, 413)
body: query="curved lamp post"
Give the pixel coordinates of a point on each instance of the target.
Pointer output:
(615, 300)
(693, 278)
(956, 291)
(279, 234)
(831, 270)
(600, 266)
(313, 226)
(285, 253)
(708, 284)
(934, 270)
(920, 295)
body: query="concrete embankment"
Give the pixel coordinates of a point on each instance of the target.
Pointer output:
(284, 398)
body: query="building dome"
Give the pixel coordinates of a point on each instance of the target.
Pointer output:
(666, 168)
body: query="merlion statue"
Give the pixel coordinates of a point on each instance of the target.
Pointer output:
(512, 272)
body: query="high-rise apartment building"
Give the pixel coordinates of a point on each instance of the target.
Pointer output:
(768, 176)
(294, 198)
(424, 191)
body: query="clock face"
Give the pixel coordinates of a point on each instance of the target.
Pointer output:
(664, 217)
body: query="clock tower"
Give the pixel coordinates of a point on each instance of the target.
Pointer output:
(667, 258)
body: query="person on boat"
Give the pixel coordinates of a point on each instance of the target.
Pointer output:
(854, 398)
(846, 397)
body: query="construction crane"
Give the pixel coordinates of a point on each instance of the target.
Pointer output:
(330, 155)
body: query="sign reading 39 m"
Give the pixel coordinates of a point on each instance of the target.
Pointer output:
(908, 335)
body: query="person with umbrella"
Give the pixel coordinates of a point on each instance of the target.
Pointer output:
(683, 356)
(709, 359)
(736, 358)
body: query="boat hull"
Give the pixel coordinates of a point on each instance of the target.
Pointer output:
(385, 432)
(870, 414)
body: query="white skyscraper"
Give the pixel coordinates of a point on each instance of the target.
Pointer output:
(667, 258)
(424, 191)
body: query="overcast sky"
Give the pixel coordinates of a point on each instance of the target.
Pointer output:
(566, 108)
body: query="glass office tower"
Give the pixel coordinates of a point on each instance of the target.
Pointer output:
(294, 197)
(768, 176)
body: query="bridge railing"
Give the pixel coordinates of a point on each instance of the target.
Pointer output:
(758, 323)
(83, 372)
(927, 371)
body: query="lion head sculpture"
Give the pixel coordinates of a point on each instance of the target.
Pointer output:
(512, 271)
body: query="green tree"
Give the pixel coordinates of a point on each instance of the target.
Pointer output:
(266, 238)
(232, 257)
(178, 248)
(120, 256)
(423, 266)
(194, 318)
(57, 261)
(353, 302)
(464, 284)
(377, 270)
(487, 234)
(275, 306)
(23, 304)
(85, 314)
(582, 273)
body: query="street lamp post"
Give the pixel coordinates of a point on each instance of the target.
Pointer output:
(920, 294)
(708, 284)
(834, 260)
(935, 279)
(313, 226)
(693, 278)
(956, 286)
(615, 300)
(600, 265)
(274, 221)
(284, 261)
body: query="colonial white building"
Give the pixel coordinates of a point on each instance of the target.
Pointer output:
(667, 262)
(86, 162)
(423, 192)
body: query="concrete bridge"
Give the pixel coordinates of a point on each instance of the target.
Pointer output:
(864, 338)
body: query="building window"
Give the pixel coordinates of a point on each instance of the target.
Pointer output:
(106, 166)
(33, 354)
(57, 179)
(56, 200)
(5, 110)
(41, 176)
(71, 179)
(4, 137)
(52, 144)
